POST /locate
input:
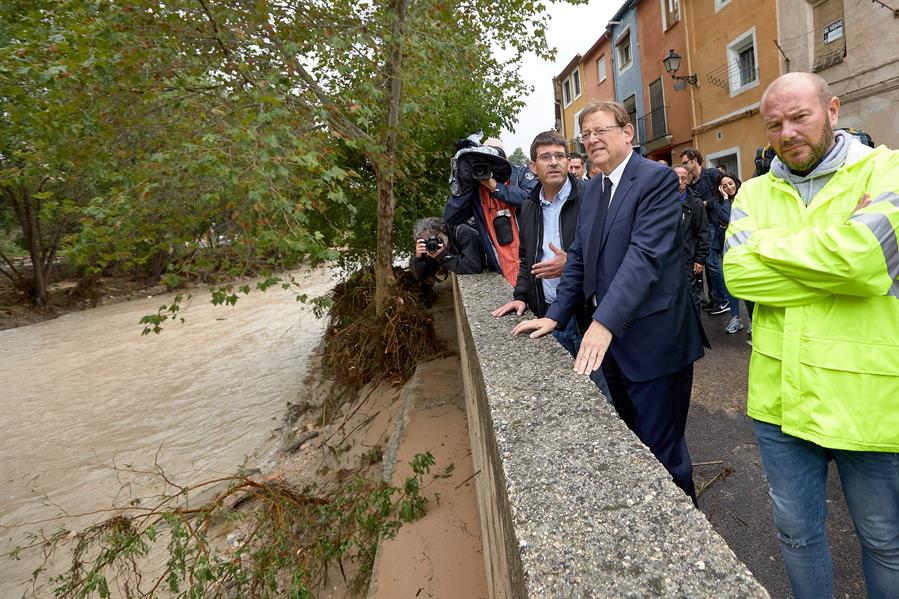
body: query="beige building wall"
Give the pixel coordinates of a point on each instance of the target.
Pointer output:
(860, 60)
(732, 51)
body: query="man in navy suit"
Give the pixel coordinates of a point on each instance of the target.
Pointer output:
(626, 259)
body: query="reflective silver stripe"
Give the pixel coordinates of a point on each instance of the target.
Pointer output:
(887, 196)
(736, 239)
(894, 290)
(883, 230)
(737, 214)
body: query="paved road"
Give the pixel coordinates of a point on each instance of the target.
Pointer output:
(738, 506)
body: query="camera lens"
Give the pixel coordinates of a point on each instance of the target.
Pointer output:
(481, 171)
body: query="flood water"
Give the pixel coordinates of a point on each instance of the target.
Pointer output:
(84, 396)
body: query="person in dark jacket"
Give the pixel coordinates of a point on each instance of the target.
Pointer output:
(547, 224)
(694, 229)
(473, 202)
(703, 183)
(454, 249)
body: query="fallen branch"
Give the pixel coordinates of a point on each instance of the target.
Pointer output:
(724, 473)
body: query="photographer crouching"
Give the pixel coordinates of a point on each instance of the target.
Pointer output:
(440, 249)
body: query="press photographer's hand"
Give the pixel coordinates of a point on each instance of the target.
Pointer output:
(490, 184)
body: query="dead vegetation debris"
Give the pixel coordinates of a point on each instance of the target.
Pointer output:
(362, 346)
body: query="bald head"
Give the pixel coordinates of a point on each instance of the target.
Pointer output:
(799, 81)
(800, 113)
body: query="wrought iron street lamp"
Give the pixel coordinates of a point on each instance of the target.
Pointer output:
(672, 64)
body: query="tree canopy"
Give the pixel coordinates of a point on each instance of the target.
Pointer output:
(186, 137)
(518, 157)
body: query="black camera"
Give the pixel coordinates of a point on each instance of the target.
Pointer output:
(481, 171)
(433, 243)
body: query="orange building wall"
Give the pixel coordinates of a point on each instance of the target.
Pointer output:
(654, 44)
(592, 87)
(568, 112)
(724, 121)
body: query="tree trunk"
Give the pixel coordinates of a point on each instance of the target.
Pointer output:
(384, 172)
(384, 280)
(28, 222)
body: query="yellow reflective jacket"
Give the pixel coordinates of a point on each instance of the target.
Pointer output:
(825, 331)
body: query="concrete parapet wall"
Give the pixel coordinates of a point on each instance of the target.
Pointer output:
(571, 503)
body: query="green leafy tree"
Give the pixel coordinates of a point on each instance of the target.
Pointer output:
(371, 75)
(196, 136)
(518, 157)
(46, 137)
(121, 150)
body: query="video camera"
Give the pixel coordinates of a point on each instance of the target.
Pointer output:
(474, 163)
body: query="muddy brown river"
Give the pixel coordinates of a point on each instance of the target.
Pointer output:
(84, 397)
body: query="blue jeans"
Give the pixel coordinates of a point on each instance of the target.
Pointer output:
(797, 472)
(732, 302)
(570, 339)
(714, 274)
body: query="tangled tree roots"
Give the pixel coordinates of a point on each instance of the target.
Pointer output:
(362, 346)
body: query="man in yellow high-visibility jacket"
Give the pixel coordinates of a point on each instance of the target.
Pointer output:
(814, 244)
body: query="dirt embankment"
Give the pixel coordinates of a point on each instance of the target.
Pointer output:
(375, 434)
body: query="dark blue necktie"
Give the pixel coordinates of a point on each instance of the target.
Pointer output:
(591, 258)
(603, 208)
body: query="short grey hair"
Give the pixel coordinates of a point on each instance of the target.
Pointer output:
(621, 116)
(430, 223)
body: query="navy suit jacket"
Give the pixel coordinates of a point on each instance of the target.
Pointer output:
(634, 267)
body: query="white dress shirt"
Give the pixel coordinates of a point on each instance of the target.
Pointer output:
(615, 175)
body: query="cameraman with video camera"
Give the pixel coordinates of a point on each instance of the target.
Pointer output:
(487, 188)
(436, 249)
(519, 186)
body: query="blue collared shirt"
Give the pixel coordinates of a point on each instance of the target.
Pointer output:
(552, 232)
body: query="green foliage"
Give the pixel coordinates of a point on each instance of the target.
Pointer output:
(518, 157)
(283, 543)
(153, 322)
(193, 139)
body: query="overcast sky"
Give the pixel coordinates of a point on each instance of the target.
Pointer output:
(572, 30)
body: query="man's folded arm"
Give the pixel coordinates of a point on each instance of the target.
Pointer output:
(781, 268)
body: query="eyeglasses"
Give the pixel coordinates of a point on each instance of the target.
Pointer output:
(590, 133)
(549, 156)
